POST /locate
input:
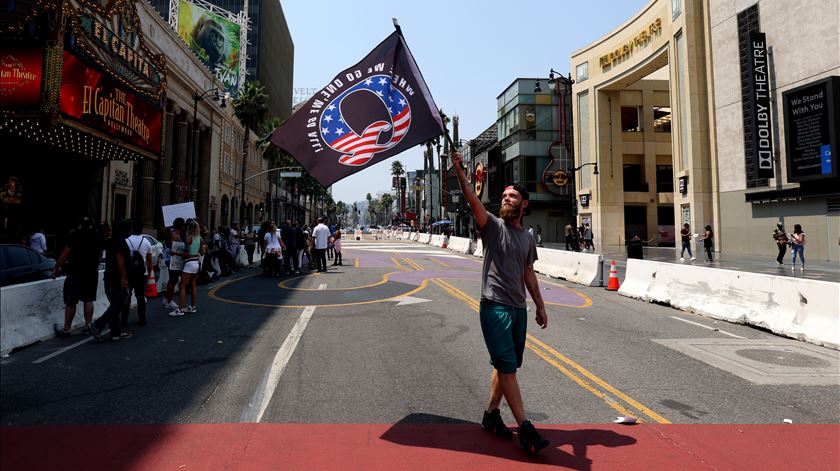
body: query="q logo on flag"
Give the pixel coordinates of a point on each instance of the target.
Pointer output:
(359, 148)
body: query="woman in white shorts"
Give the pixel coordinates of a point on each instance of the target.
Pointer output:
(194, 247)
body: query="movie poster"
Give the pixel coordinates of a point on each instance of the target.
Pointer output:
(214, 39)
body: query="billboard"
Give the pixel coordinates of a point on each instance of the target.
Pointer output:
(101, 103)
(812, 114)
(214, 39)
(20, 77)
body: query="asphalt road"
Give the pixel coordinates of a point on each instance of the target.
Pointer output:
(392, 337)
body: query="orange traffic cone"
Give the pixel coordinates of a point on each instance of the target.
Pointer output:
(151, 286)
(613, 283)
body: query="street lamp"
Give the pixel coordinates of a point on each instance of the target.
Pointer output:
(218, 95)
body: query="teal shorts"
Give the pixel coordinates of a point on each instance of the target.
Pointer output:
(504, 329)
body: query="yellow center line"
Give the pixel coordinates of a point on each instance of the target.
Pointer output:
(356, 263)
(534, 345)
(397, 264)
(440, 261)
(413, 264)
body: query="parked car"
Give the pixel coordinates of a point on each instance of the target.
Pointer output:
(20, 264)
(157, 252)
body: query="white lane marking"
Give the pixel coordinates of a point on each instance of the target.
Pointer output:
(707, 327)
(322, 286)
(65, 349)
(255, 410)
(407, 300)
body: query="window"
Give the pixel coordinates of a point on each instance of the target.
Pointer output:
(664, 178)
(685, 211)
(676, 9)
(582, 71)
(583, 148)
(661, 119)
(631, 119)
(634, 178)
(17, 257)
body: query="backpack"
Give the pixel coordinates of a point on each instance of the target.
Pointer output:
(136, 265)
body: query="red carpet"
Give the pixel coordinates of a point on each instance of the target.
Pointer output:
(415, 446)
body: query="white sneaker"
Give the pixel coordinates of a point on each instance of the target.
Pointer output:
(682, 259)
(693, 258)
(176, 313)
(171, 305)
(190, 309)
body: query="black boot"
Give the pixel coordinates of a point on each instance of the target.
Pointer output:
(529, 439)
(492, 422)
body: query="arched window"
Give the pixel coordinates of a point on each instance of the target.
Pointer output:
(234, 211)
(224, 219)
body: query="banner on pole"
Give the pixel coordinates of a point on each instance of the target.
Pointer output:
(366, 114)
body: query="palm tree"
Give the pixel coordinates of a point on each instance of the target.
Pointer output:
(250, 106)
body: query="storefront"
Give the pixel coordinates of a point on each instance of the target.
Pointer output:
(81, 100)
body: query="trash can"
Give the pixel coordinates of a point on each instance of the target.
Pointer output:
(635, 249)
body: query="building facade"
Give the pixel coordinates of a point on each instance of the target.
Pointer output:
(270, 48)
(697, 90)
(533, 123)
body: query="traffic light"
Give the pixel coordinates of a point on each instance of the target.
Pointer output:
(402, 183)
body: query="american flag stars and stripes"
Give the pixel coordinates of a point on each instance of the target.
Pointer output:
(359, 148)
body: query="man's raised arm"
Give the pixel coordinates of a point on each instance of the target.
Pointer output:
(478, 210)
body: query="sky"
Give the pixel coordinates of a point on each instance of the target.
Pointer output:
(468, 51)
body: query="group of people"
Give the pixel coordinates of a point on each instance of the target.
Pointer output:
(128, 263)
(283, 248)
(579, 239)
(796, 241)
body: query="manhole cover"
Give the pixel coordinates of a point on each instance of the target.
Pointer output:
(782, 358)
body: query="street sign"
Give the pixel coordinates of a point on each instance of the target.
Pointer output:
(290, 174)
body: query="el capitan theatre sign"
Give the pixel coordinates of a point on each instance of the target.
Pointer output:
(21, 72)
(92, 98)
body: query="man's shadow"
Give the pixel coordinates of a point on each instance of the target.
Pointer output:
(446, 433)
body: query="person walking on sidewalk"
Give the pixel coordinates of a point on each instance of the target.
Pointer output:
(79, 261)
(176, 262)
(569, 237)
(116, 283)
(337, 247)
(708, 242)
(781, 238)
(139, 267)
(685, 240)
(798, 247)
(507, 270)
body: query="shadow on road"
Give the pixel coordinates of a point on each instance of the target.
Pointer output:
(423, 430)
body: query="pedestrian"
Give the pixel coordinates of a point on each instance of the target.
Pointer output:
(176, 262)
(708, 242)
(507, 270)
(116, 282)
(233, 245)
(321, 235)
(37, 241)
(290, 260)
(139, 268)
(79, 262)
(531, 232)
(337, 246)
(194, 249)
(780, 237)
(797, 240)
(569, 237)
(330, 240)
(587, 237)
(250, 245)
(685, 240)
(300, 245)
(274, 251)
(539, 236)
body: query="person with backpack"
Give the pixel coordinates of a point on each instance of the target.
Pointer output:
(138, 270)
(780, 237)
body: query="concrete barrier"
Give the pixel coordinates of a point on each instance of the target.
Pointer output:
(577, 267)
(437, 240)
(425, 238)
(799, 308)
(479, 249)
(29, 310)
(459, 244)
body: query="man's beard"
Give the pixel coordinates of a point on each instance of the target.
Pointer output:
(510, 213)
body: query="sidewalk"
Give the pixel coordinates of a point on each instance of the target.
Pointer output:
(815, 269)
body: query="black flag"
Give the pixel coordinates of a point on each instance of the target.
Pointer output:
(366, 114)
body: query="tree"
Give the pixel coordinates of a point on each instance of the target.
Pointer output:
(397, 168)
(250, 106)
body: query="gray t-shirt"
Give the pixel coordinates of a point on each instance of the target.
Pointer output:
(507, 251)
